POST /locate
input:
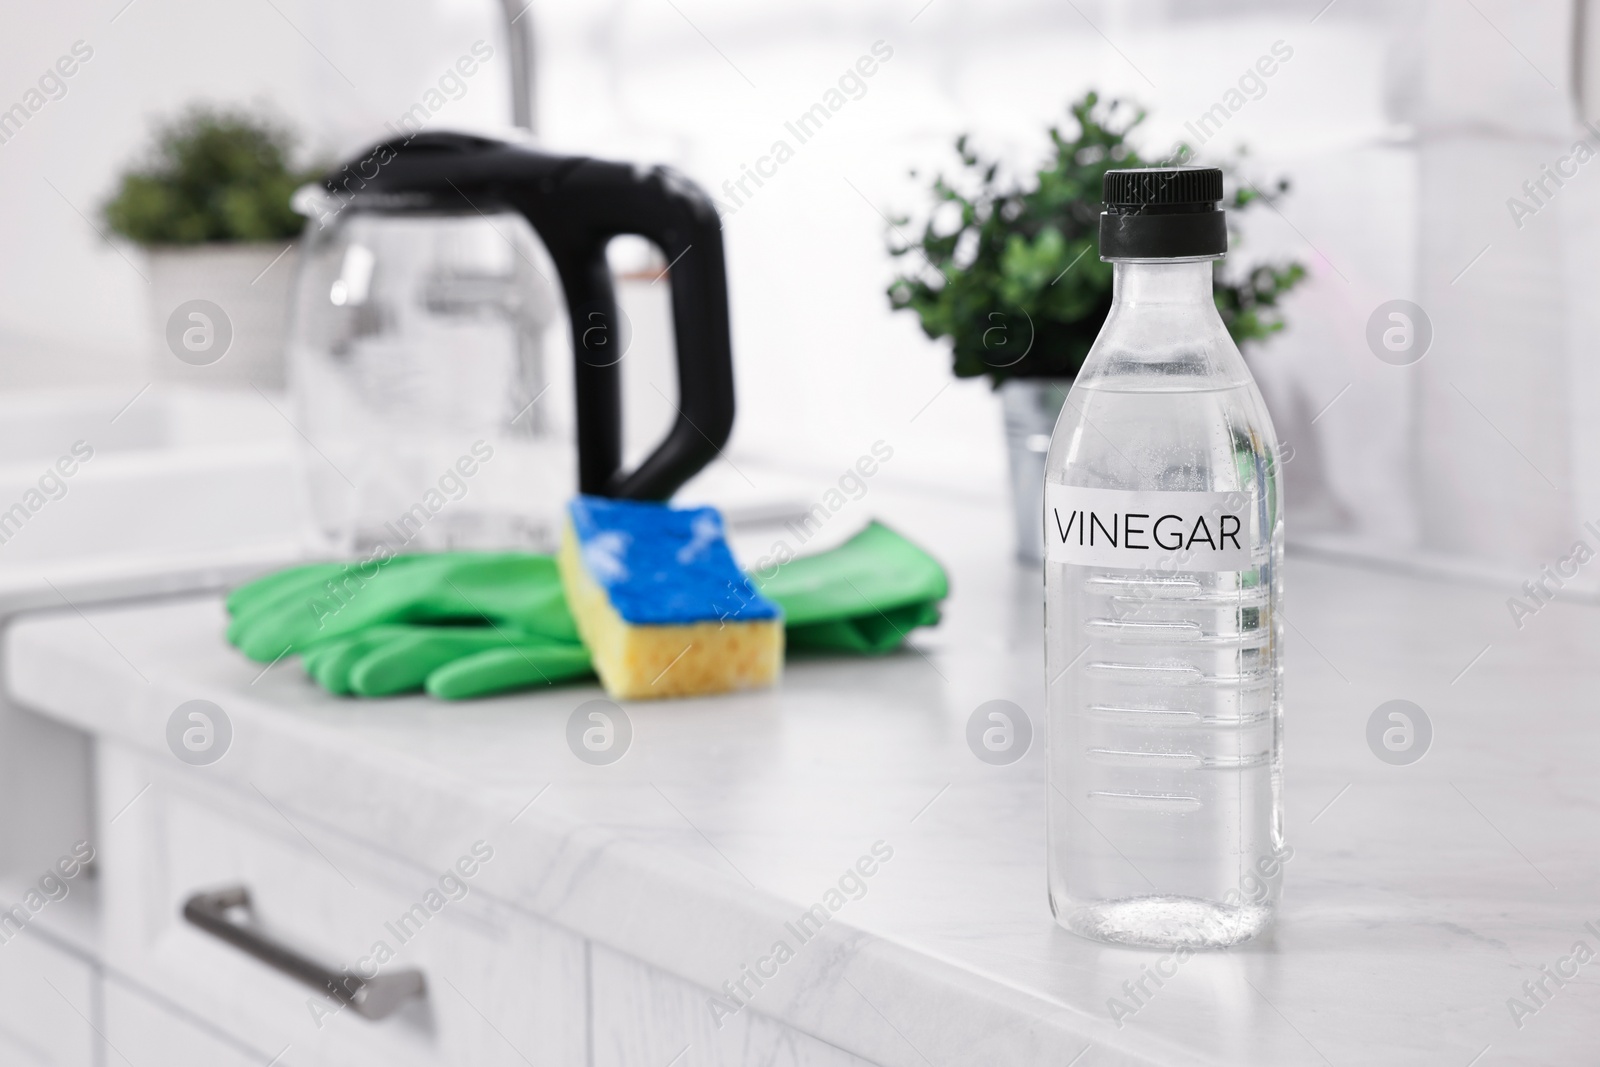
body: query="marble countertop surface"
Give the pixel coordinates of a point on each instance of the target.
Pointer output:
(1418, 901)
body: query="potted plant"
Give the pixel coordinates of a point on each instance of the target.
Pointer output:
(210, 208)
(1010, 273)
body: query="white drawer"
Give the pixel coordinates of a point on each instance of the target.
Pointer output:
(140, 1030)
(46, 1002)
(501, 987)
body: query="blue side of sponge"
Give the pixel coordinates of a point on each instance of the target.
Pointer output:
(664, 566)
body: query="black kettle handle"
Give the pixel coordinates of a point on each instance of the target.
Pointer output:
(578, 211)
(577, 205)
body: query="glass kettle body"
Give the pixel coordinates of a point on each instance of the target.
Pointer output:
(441, 403)
(419, 369)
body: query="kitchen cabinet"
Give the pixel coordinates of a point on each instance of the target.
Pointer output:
(497, 985)
(141, 1030)
(49, 996)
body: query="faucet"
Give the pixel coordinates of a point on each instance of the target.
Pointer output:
(520, 42)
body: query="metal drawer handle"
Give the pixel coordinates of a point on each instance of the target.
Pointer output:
(226, 914)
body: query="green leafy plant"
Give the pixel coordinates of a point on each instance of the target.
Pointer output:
(1000, 266)
(214, 174)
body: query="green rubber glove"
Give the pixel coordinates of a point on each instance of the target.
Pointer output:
(864, 596)
(299, 608)
(470, 624)
(400, 658)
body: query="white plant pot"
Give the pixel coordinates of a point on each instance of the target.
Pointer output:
(1031, 407)
(237, 335)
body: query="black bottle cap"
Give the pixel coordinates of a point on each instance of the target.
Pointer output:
(1163, 213)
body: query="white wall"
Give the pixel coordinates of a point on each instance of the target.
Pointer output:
(1404, 126)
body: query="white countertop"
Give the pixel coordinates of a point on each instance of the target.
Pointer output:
(1418, 899)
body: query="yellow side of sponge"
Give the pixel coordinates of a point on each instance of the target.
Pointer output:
(643, 662)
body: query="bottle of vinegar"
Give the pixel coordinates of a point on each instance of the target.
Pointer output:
(1163, 579)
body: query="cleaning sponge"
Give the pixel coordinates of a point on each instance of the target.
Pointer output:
(661, 603)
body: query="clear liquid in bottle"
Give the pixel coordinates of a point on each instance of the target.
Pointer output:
(1163, 581)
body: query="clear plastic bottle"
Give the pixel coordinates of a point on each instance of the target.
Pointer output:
(1163, 581)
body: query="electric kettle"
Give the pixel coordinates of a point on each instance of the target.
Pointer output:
(432, 278)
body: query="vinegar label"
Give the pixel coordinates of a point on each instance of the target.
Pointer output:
(1140, 530)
